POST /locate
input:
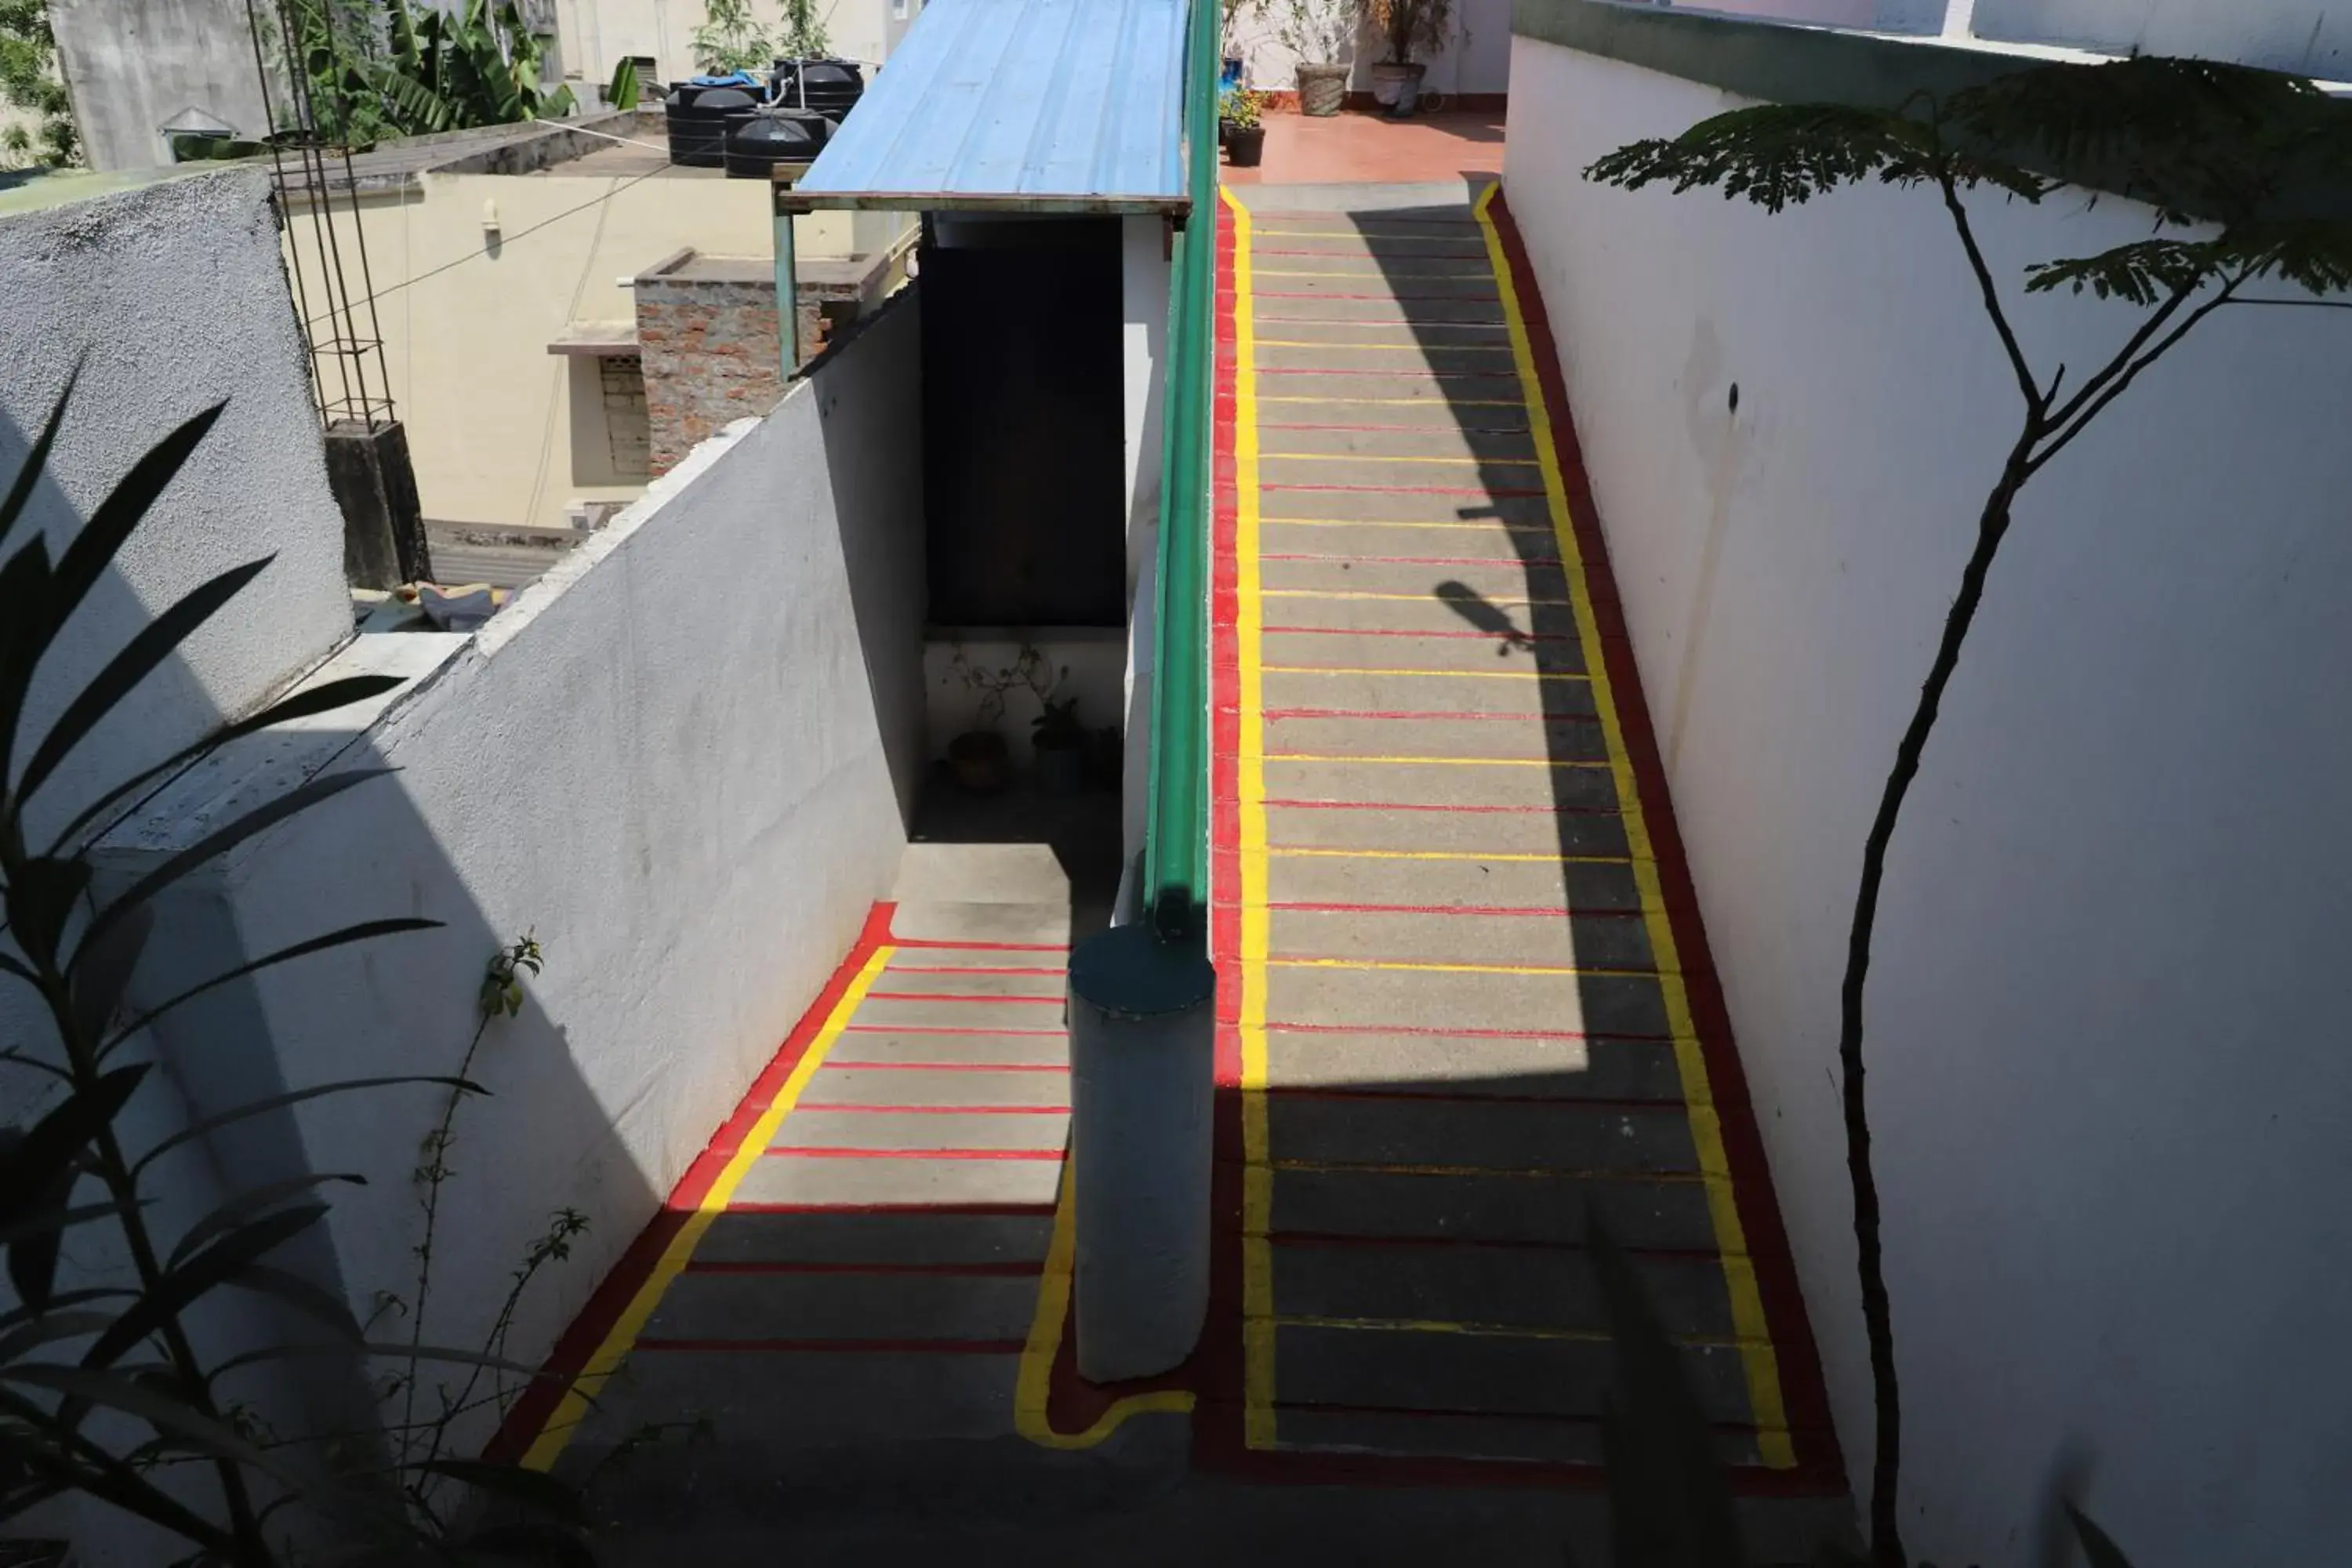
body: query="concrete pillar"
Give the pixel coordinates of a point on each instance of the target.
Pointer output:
(376, 485)
(1142, 1064)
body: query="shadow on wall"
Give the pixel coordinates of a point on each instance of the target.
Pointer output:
(630, 769)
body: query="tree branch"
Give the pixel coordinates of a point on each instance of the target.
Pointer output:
(2121, 361)
(2025, 384)
(2131, 373)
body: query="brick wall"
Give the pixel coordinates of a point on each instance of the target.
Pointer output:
(709, 353)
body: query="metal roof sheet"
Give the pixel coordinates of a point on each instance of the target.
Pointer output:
(1019, 105)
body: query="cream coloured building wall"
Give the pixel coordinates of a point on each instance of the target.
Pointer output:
(596, 34)
(501, 430)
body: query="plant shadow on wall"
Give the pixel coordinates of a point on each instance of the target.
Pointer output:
(131, 1382)
(2238, 165)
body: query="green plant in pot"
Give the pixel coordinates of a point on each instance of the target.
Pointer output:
(1061, 745)
(1321, 34)
(979, 758)
(1244, 129)
(1408, 28)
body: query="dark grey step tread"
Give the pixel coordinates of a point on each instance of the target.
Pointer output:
(1520, 1288)
(882, 1043)
(751, 1308)
(812, 1399)
(1603, 1003)
(848, 1236)
(1417, 1435)
(1479, 1373)
(1666, 1215)
(913, 1131)
(1371, 1061)
(838, 1085)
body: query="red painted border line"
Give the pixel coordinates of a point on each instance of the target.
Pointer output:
(950, 1029)
(807, 1104)
(1502, 911)
(947, 1066)
(1274, 713)
(1417, 559)
(958, 996)
(1413, 374)
(1341, 1241)
(1488, 491)
(950, 1211)
(1447, 806)
(612, 1298)
(1030, 1270)
(1803, 1393)
(1406, 631)
(806, 1152)
(830, 1347)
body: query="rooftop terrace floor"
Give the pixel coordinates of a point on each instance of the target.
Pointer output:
(1361, 148)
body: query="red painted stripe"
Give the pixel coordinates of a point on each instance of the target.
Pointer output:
(951, 1066)
(951, 1211)
(570, 1357)
(1319, 294)
(1398, 713)
(955, 1270)
(1393, 255)
(1500, 912)
(950, 1029)
(953, 997)
(940, 1110)
(1488, 491)
(1417, 374)
(1450, 807)
(803, 1152)
(1403, 632)
(1403, 429)
(965, 969)
(1417, 559)
(916, 942)
(850, 1347)
(1340, 1241)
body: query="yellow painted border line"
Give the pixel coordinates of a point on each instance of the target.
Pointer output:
(548, 1447)
(1433, 674)
(1032, 1389)
(1249, 618)
(1757, 1359)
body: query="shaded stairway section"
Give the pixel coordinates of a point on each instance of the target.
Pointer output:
(1466, 1004)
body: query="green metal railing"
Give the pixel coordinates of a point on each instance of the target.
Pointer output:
(1176, 832)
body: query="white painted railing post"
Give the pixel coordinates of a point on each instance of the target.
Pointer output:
(1142, 1064)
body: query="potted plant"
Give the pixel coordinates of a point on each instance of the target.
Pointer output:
(1322, 35)
(1408, 28)
(979, 760)
(1061, 743)
(1244, 129)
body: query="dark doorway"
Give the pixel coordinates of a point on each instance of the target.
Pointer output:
(1023, 428)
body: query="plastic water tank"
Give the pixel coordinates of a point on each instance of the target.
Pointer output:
(699, 120)
(775, 136)
(832, 88)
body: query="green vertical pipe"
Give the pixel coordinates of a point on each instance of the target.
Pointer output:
(1176, 840)
(788, 300)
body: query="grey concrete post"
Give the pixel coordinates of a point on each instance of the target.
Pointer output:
(1142, 1065)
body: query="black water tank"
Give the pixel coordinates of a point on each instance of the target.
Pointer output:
(832, 88)
(776, 136)
(699, 120)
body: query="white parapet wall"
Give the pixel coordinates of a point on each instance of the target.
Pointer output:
(682, 762)
(2106, 1020)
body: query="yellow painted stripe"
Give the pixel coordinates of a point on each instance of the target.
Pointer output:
(1757, 1357)
(1437, 761)
(1489, 1331)
(1415, 967)
(1032, 1388)
(1487, 527)
(1257, 1184)
(1401, 457)
(1287, 852)
(1434, 674)
(549, 1443)
(1375, 274)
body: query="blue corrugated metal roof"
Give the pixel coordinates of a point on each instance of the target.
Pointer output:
(1031, 105)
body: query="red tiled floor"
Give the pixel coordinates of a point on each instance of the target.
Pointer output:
(1347, 149)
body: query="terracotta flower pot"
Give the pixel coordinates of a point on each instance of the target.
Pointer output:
(1322, 88)
(980, 762)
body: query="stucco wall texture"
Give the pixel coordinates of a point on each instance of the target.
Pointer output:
(683, 760)
(2105, 1014)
